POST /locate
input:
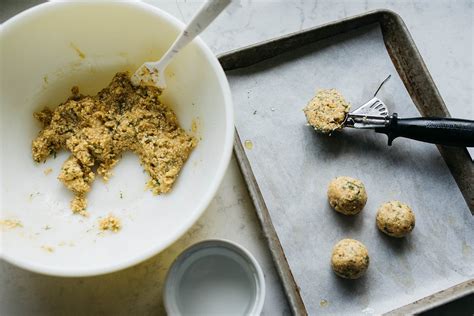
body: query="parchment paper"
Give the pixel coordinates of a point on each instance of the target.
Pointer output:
(293, 166)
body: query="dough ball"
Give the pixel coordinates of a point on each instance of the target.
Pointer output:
(327, 111)
(395, 219)
(350, 259)
(347, 195)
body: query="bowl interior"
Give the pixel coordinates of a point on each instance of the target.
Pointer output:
(46, 51)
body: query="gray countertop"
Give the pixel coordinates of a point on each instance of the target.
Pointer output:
(231, 215)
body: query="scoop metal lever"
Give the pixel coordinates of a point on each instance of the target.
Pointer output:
(368, 116)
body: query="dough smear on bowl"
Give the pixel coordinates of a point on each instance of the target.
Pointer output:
(98, 129)
(347, 195)
(350, 259)
(395, 219)
(110, 222)
(327, 111)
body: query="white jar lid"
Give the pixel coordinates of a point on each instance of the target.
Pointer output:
(215, 277)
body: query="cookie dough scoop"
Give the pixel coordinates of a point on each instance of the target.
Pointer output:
(375, 115)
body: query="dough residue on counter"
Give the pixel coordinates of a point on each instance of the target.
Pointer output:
(98, 129)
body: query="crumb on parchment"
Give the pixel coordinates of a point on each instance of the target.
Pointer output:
(10, 223)
(47, 171)
(98, 129)
(110, 222)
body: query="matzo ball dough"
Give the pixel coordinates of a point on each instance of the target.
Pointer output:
(395, 219)
(347, 195)
(327, 111)
(350, 259)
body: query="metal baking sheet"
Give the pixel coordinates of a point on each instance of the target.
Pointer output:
(290, 167)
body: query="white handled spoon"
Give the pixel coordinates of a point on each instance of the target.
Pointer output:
(152, 73)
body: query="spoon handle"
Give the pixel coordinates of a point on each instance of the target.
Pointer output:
(208, 12)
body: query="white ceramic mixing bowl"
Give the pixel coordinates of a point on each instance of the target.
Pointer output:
(44, 52)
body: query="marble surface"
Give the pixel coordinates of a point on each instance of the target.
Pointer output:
(443, 31)
(138, 290)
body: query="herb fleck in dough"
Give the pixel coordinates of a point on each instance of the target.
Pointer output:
(98, 129)
(350, 259)
(327, 111)
(347, 195)
(395, 219)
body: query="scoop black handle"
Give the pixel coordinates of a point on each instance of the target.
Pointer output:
(435, 130)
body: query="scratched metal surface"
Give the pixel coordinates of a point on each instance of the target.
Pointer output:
(293, 166)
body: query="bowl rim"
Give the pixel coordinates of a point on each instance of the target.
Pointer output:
(221, 168)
